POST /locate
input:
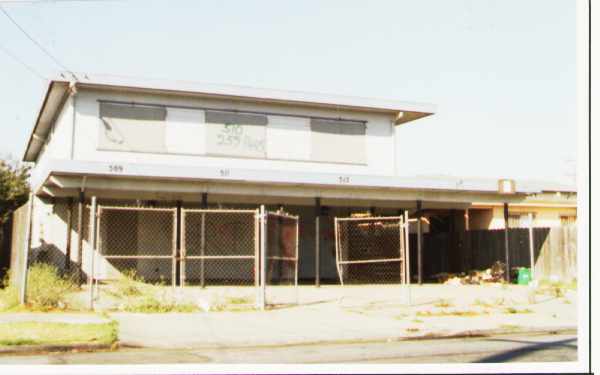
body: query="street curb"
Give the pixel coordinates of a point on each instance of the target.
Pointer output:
(426, 336)
(38, 349)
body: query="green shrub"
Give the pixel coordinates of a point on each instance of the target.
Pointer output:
(9, 295)
(46, 289)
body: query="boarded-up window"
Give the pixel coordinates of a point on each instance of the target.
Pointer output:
(338, 141)
(235, 134)
(288, 138)
(131, 128)
(185, 131)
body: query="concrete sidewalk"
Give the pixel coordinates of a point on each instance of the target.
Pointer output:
(353, 319)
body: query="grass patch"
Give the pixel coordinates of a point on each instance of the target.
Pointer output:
(511, 327)
(444, 303)
(512, 310)
(463, 313)
(234, 304)
(49, 333)
(133, 294)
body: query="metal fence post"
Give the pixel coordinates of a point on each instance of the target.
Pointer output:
(92, 251)
(27, 247)
(202, 246)
(263, 257)
(174, 250)
(257, 236)
(401, 251)
(182, 248)
(296, 260)
(506, 249)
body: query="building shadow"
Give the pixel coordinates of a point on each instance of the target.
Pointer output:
(511, 355)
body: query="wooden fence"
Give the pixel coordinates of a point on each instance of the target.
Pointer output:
(555, 251)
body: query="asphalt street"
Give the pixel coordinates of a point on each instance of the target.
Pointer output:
(513, 348)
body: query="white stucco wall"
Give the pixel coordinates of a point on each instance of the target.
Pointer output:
(58, 143)
(379, 138)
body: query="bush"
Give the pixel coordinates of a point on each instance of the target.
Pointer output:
(9, 295)
(46, 288)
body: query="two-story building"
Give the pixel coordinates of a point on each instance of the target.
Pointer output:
(181, 144)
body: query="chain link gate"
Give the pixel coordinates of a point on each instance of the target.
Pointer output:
(279, 258)
(138, 242)
(371, 250)
(219, 247)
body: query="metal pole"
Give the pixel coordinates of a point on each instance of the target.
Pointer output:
(296, 260)
(92, 251)
(531, 260)
(174, 247)
(317, 242)
(407, 238)
(80, 234)
(202, 245)
(23, 294)
(182, 250)
(401, 251)
(263, 257)
(506, 250)
(176, 271)
(337, 250)
(257, 255)
(407, 234)
(419, 244)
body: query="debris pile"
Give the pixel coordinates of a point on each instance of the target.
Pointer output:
(494, 274)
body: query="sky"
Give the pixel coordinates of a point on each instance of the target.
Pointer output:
(501, 73)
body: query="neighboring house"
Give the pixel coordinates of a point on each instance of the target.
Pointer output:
(127, 141)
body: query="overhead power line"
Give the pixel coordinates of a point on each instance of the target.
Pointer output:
(41, 47)
(28, 67)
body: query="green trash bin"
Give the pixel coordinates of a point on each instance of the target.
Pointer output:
(524, 276)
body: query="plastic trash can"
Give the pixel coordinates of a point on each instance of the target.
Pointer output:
(524, 276)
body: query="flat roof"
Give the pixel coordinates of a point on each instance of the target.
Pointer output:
(58, 92)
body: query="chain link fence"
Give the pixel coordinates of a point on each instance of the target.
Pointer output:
(219, 247)
(370, 250)
(138, 242)
(281, 260)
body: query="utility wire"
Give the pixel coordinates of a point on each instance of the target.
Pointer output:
(58, 63)
(14, 57)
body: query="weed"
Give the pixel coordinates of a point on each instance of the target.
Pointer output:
(509, 326)
(9, 295)
(417, 321)
(412, 329)
(46, 289)
(444, 303)
(449, 313)
(512, 310)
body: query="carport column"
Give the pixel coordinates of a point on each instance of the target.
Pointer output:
(69, 227)
(419, 243)
(531, 257)
(80, 234)
(92, 232)
(506, 242)
(317, 242)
